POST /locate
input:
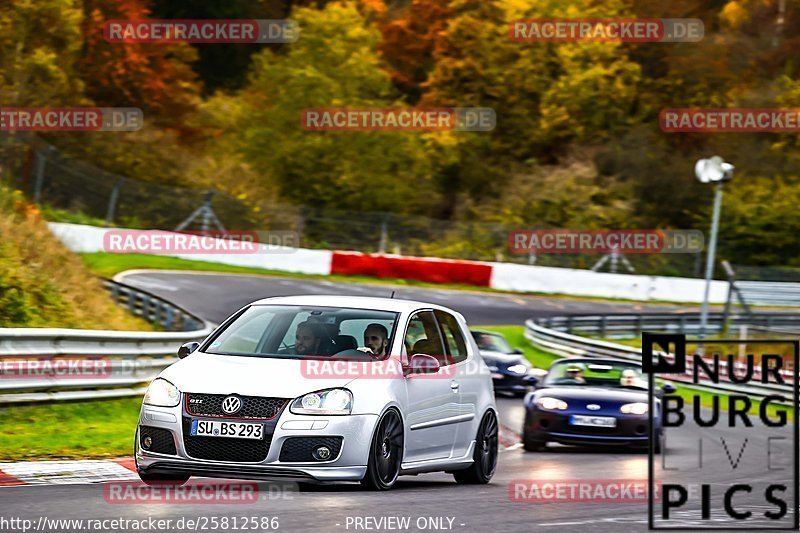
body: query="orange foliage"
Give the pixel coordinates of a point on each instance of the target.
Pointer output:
(409, 42)
(155, 77)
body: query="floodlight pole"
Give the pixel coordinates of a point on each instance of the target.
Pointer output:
(712, 249)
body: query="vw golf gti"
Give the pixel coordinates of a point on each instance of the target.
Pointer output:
(323, 389)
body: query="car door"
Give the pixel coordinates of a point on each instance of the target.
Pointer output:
(464, 381)
(432, 403)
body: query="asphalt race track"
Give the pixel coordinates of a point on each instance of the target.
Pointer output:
(432, 502)
(216, 296)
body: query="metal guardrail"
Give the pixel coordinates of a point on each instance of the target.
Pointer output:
(153, 308)
(54, 364)
(633, 324)
(770, 293)
(549, 334)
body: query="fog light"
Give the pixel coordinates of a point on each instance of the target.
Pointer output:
(321, 453)
(147, 442)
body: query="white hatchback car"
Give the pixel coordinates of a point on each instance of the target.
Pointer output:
(324, 388)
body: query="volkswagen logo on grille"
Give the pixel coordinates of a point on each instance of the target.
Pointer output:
(231, 405)
(593, 407)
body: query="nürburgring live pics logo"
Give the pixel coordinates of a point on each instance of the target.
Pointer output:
(729, 454)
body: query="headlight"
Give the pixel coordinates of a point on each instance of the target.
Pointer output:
(638, 408)
(518, 369)
(552, 404)
(326, 402)
(162, 393)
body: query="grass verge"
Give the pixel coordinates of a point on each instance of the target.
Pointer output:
(80, 430)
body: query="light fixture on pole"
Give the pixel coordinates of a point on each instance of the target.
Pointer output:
(717, 171)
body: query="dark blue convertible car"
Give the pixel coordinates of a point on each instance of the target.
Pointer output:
(591, 402)
(512, 373)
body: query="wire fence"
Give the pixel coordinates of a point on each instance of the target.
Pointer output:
(56, 181)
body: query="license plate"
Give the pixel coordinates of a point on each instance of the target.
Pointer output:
(596, 421)
(232, 430)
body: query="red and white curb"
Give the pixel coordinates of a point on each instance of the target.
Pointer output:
(83, 472)
(67, 472)
(508, 438)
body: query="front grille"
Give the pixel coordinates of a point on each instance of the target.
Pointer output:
(163, 442)
(253, 407)
(298, 449)
(225, 449)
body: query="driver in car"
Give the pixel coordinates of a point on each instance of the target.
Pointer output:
(376, 339)
(575, 373)
(629, 378)
(306, 340)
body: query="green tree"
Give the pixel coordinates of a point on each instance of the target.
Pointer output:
(333, 64)
(39, 43)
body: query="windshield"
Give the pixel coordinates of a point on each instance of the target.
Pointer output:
(588, 374)
(490, 342)
(300, 332)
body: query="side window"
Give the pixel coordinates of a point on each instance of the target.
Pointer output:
(422, 336)
(456, 345)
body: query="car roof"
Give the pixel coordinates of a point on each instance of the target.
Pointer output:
(357, 302)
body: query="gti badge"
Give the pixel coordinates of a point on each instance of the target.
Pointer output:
(593, 407)
(231, 405)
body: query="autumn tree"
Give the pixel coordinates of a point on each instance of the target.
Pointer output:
(334, 63)
(39, 45)
(155, 77)
(409, 41)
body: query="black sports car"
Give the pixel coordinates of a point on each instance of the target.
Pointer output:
(511, 371)
(591, 402)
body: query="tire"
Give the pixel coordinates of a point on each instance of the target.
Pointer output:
(484, 458)
(385, 453)
(531, 445)
(163, 479)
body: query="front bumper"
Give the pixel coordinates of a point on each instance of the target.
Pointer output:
(349, 464)
(555, 426)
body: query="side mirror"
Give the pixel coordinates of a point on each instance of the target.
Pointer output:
(187, 348)
(517, 351)
(668, 388)
(421, 363)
